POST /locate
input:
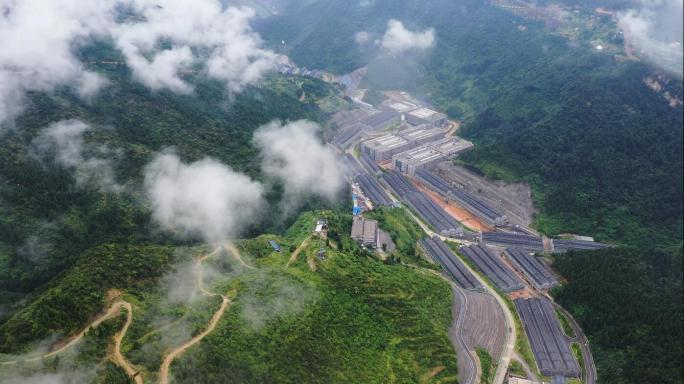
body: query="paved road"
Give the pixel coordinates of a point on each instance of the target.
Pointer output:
(470, 374)
(581, 339)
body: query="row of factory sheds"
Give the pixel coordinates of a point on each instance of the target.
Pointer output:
(493, 266)
(472, 203)
(549, 345)
(533, 243)
(424, 206)
(536, 272)
(451, 264)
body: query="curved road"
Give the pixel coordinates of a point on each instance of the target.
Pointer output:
(225, 303)
(581, 339)
(473, 372)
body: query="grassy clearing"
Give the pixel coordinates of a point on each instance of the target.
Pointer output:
(487, 365)
(577, 352)
(353, 320)
(565, 324)
(517, 369)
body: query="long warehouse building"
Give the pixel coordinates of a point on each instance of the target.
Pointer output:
(373, 190)
(566, 245)
(546, 338)
(473, 204)
(535, 271)
(451, 264)
(504, 239)
(430, 211)
(492, 266)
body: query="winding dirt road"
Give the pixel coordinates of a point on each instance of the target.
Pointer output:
(297, 251)
(225, 304)
(117, 357)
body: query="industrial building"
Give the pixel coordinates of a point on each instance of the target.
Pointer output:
(535, 271)
(428, 154)
(426, 116)
(517, 240)
(430, 211)
(494, 267)
(549, 345)
(367, 234)
(472, 203)
(380, 121)
(400, 106)
(364, 231)
(384, 147)
(422, 133)
(450, 263)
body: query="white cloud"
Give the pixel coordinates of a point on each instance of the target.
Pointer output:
(293, 154)
(197, 31)
(65, 140)
(203, 199)
(163, 41)
(36, 37)
(362, 37)
(655, 30)
(398, 39)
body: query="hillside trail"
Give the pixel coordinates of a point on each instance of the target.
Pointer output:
(118, 358)
(297, 251)
(225, 304)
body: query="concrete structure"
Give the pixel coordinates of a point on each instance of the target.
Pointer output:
(364, 231)
(380, 121)
(422, 133)
(384, 147)
(426, 116)
(400, 106)
(519, 380)
(428, 154)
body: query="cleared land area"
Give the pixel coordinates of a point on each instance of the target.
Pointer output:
(450, 263)
(515, 199)
(529, 242)
(535, 271)
(493, 266)
(550, 347)
(464, 217)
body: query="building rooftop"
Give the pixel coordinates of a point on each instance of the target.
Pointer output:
(421, 154)
(449, 145)
(388, 141)
(419, 133)
(379, 118)
(364, 230)
(402, 107)
(423, 113)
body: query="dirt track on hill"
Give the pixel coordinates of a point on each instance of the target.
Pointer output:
(225, 304)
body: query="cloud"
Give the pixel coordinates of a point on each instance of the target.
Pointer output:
(64, 140)
(36, 37)
(197, 31)
(398, 39)
(362, 37)
(161, 42)
(294, 155)
(203, 199)
(655, 30)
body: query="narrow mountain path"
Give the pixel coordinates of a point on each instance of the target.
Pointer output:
(113, 311)
(117, 357)
(297, 251)
(225, 304)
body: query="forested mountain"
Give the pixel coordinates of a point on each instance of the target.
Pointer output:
(48, 218)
